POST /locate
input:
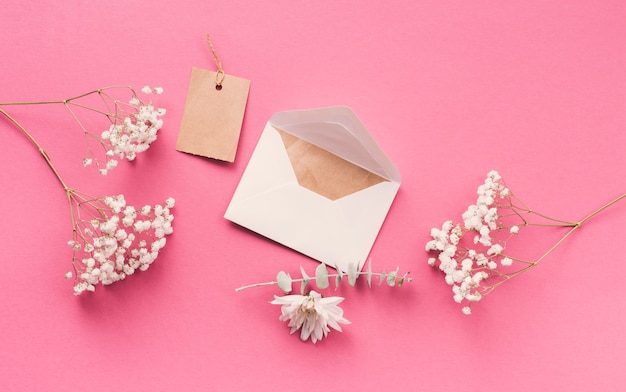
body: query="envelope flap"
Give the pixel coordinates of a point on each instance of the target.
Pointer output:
(338, 130)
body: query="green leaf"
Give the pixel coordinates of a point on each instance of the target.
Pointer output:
(305, 280)
(304, 275)
(352, 274)
(284, 282)
(338, 278)
(391, 277)
(321, 276)
(405, 278)
(369, 274)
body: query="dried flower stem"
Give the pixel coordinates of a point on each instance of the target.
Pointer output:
(110, 113)
(574, 226)
(69, 192)
(30, 137)
(101, 92)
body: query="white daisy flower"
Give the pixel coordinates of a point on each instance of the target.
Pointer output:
(311, 314)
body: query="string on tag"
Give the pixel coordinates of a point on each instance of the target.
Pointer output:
(219, 76)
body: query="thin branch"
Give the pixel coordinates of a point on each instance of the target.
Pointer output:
(38, 146)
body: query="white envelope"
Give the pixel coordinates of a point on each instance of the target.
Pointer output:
(270, 201)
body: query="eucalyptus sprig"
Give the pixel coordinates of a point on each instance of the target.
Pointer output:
(322, 278)
(313, 314)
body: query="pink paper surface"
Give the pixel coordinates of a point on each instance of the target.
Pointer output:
(450, 90)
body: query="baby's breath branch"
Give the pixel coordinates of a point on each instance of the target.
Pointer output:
(474, 270)
(68, 105)
(65, 101)
(530, 264)
(522, 213)
(88, 135)
(131, 126)
(69, 102)
(72, 195)
(599, 210)
(554, 224)
(110, 239)
(577, 225)
(38, 146)
(522, 209)
(16, 103)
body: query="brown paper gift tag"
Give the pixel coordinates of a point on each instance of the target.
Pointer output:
(213, 116)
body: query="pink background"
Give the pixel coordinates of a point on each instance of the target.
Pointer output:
(449, 89)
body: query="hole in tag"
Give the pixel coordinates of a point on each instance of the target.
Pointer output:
(218, 87)
(324, 172)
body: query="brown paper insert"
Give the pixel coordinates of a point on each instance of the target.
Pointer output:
(324, 172)
(213, 117)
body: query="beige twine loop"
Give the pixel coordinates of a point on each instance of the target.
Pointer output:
(219, 76)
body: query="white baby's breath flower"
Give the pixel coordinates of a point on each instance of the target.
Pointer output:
(145, 210)
(111, 163)
(134, 133)
(467, 266)
(312, 314)
(495, 249)
(115, 244)
(475, 268)
(131, 125)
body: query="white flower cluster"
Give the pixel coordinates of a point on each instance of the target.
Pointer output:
(131, 134)
(465, 269)
(312, 314)
(118, 241)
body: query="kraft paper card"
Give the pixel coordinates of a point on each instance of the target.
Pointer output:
(318, 183)
(213, 115)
